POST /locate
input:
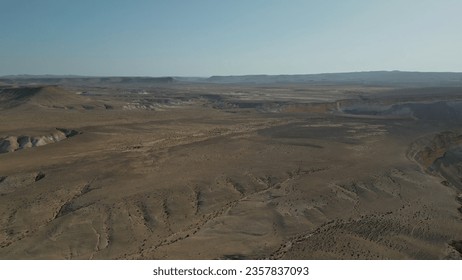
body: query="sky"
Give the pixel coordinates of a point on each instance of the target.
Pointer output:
(228, 37)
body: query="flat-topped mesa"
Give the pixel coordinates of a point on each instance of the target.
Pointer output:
(14, 143)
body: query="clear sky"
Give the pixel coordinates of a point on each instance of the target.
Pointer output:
(228, 37)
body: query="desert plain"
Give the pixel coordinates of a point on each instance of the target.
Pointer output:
(192, 170)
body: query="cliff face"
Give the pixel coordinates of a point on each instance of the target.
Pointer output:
(14, 143)
(427, 151)
(442, 155)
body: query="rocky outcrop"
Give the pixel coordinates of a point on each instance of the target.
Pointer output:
(15, 143)
(427, 150)
(442, 155)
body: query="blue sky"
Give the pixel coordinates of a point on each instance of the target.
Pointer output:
(232, 37)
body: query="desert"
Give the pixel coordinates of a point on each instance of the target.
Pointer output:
(354, 166)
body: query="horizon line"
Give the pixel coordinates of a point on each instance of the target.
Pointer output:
(220, 75)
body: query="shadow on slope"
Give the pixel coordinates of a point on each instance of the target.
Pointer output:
(50, 97)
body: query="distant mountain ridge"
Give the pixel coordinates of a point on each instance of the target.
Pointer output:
(365, 78)
(381, 78)
(78, 80)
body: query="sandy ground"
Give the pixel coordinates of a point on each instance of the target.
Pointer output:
(213, 172)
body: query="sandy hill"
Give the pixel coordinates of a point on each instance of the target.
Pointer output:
(45, 97)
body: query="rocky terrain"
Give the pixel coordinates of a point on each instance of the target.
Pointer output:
(221, 171)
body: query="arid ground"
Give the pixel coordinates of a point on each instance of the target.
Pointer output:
(216, 171)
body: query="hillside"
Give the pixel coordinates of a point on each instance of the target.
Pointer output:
(44, 97)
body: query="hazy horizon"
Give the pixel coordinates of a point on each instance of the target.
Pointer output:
(206, 38)
(231, 75)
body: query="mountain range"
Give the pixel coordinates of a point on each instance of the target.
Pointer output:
(384, 78)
